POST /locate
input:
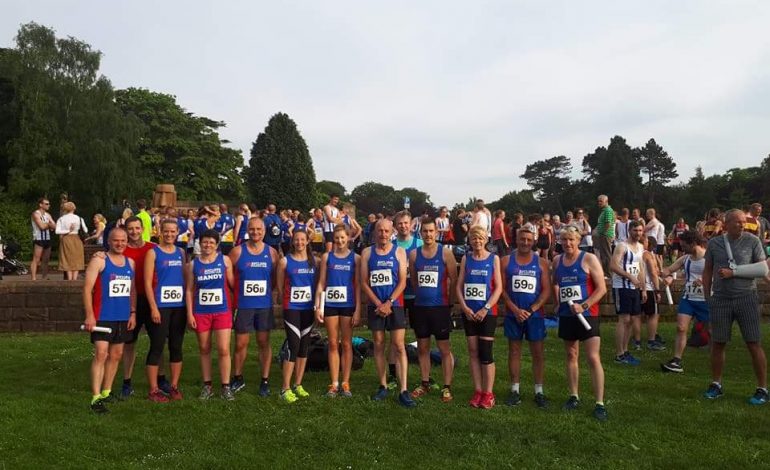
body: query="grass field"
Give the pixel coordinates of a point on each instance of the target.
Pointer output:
(656, 420)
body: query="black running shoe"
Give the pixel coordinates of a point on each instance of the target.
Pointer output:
(674, 365)
(541, 401)
(98, 407)
(572, 403)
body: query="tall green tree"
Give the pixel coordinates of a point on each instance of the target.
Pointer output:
(326, 188)
(614, 171)
(280, 169)
(71, 137)
(659, 167)
(180, 148)
(372, 197)
(549, 178)
(9, 109)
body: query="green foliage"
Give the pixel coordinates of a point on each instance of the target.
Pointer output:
(15, 223)
(371, 197)
(180, 148)
(419, 201)
(549, 178)
(659, 167)
(70, 137)
(515, 201)
(326, 188)
(280, 170)
(613, 171)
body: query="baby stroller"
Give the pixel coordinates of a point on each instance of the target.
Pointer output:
(8, 262)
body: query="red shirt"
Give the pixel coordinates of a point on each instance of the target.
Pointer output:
(138, 255)
(498, 230)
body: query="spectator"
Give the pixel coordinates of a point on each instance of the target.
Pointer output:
(71, 256)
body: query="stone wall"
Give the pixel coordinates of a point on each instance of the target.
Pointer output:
(27, 306)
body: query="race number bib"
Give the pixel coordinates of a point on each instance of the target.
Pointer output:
(427, 278)
(523, 284)
(381, 277)
(210, 297)
(255, 288)
(336, 294)
(633, 268)
(475, 292)
(573, 293)
(694, 292)
(300, 294)
(170, 294)
(120, 287)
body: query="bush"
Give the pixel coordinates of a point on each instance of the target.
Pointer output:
(15, 223)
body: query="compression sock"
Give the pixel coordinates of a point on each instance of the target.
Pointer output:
(105, 393)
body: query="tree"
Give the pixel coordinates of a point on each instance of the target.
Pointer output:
(180, 148)
(549, 178)
(419, 201)
(659, 167)
(326, 188)
(371, 198)
(71, 137)
(516, 201)
(614, 171)
(280, 169)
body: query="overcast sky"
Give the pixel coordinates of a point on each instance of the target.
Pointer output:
(453, 98)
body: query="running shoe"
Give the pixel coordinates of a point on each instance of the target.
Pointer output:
(164, 385)
(487, 401)
(380, 394)
(760, 397)
(175, 394)
(446, 395)
(237, 384)
(288, 396)
(126, 390)
(392, 383)
(433, 385)
(112, 398)
(227, 393)
(300, 391)
(572, 403)
(332, 391)
(714, 391)
(674, 365)
(157, 396)
(541, 401)
(655, 346)
(206, 393)
(405, 400)
(600, 413)
(631, 360)
(98, 407)
(420, 391)
(637, 345)
(514, 398)
(344, 390)
(659, 339)
(264, 389)
(476, 399)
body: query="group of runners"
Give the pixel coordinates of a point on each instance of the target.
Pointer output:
(401, 280)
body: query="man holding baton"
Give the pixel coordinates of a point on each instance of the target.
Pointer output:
(109, 300)
(578, 284)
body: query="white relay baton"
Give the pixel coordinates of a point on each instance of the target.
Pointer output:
(98, 329)
(669, 299)
(580, 317)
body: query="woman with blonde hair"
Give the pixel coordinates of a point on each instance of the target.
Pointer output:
(68, 227)
(97, 237)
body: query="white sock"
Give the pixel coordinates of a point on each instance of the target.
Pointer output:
(515, 388)
(336, 384)
(538, 388)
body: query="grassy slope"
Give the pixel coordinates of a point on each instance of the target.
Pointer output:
(656, 420)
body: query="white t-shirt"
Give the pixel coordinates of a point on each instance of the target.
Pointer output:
(65, 221)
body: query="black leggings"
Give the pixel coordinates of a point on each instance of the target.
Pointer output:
(298, 324)
(173, 322)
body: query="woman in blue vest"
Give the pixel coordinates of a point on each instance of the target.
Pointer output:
(296, 277)
(164, 287)
(207, 287)
(479, 287)
(338, 281)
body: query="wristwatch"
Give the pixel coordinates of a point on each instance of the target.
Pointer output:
(487, 306)
(584, 306)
